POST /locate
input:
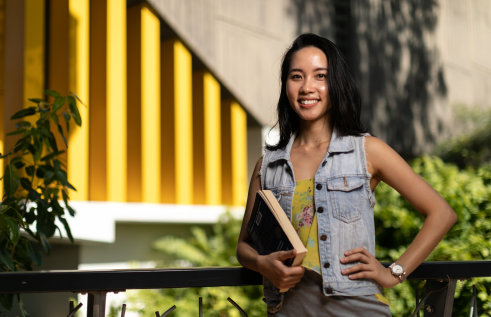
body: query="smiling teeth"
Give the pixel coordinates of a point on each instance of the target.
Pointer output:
(308, 102)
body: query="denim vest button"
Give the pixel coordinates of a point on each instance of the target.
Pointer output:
(327, 265)
(318, 186)
(320, 210)
(323, 237)
(329, 290)
(324, 163)
(288, 169)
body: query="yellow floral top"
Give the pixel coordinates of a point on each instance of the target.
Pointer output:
(304, 220)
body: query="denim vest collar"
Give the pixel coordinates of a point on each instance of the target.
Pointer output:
(338, 144)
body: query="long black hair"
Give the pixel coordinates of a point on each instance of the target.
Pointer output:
(343, 92)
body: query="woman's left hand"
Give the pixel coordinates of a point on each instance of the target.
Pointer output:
(369, 267)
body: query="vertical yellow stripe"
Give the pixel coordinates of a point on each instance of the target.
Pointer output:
(239, 154)
(183, 124)
(213, 155)
(150, 86)
(116, 101)
(78, 159)
(2, 85)
(33, 50)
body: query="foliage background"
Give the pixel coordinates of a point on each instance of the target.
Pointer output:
(464, 180)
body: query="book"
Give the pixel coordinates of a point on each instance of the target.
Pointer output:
(271, 230)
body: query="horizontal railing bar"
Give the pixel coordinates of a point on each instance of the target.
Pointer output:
(111, 280)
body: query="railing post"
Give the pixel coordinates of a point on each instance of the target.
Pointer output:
(96, 304)
(440, 302)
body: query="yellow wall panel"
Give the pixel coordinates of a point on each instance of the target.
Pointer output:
(150, 86)
(239, 154)
(2, 84)
(183, 124)
(213, 155)
(116, 101)
(78, 151)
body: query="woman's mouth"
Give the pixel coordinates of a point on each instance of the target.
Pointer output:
(308, 103)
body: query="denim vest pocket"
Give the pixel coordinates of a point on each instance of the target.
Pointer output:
(347, 196)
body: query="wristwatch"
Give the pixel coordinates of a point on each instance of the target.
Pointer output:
(398, 271)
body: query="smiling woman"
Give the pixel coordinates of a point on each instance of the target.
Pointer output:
(325, 168)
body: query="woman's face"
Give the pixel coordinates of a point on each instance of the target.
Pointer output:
(306, 85)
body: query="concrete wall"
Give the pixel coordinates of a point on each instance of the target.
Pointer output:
(416, 62)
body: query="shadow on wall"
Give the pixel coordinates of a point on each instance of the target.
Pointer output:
(391, 48)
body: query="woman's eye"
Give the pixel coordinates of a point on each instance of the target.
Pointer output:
(296, 77)
(322, 75)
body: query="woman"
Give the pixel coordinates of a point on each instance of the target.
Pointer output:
(323, 172)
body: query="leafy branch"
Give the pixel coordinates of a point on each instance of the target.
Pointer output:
(35, 181)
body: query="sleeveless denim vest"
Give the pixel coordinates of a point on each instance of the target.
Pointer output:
(344, 205)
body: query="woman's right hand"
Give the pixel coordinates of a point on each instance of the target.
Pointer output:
(273, 268)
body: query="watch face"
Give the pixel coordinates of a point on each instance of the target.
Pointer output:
(397, 270)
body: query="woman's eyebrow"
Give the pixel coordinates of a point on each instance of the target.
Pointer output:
(315, 70)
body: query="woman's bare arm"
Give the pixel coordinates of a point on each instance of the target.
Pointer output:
(271, 265)
(386, 165)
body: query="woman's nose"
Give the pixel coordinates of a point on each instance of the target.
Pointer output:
(307, 87)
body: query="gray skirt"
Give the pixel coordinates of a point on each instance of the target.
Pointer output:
(307, 300)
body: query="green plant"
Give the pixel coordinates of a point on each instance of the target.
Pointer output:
(217, 249)
(35, 180)
(468, 191)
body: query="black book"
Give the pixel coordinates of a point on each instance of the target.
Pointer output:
(271, 230)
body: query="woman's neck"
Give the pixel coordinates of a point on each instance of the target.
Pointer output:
(314, 133)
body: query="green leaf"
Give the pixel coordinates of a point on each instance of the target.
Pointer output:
(51, 156)
(54, 117)
(59, 102)
(25, 183)
(52, 143)
(44, 109)
(67, 228)
(65, 197)
(51, 93)
(62, 135)
(19, 131)
(35, 100)
(61, 176)
(24, 113)
(23, 124)
(72, 104)
(45, 243)
(71, 186)
(35, 252)
(71, 210)
(23, 310)
(13, 228)
(18, 165)
(6, 301)
(67, 118)
(56, 207)
(6, 259)
(11, 180)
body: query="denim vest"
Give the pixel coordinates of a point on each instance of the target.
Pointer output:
(344, 205)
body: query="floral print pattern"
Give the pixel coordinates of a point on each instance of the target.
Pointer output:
(304, 220)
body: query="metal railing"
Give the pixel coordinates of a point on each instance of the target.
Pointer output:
(98, 283)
